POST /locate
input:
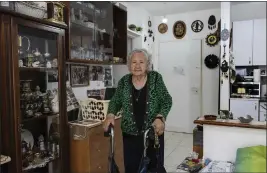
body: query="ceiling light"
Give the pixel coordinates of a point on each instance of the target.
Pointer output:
(164, 20)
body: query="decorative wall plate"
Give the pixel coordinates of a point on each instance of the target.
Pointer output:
(225, 34)
(212, 61)
(212, 22)
(179, 29)
(162, 28)
(212, 40)
(197, 26)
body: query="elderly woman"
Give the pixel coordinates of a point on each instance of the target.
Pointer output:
(145, 101)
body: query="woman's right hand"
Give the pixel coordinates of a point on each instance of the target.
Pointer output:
(110, 119)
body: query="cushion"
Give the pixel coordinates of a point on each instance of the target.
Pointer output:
(251, 159)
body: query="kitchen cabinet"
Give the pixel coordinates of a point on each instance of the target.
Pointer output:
(242, 42)
(259, 42)
(249, 42)
(263, 111)
(243, 107)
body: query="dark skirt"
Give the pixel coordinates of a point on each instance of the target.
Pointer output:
(133, 147)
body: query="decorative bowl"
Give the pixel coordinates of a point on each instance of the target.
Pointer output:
(210, 117)
(246, 119)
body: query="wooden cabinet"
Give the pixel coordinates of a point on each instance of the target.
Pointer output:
(259, 42)
(120, 33)
(31, 50)
(243, 107)
(89, 153)
(249, 42)
(242, 42)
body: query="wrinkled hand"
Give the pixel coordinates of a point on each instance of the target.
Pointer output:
(159, 126)
(109, 120)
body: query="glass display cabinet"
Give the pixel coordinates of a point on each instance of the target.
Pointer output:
(36, 95)
(91, 32)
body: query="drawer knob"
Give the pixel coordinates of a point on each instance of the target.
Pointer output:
(98, 150)
(99, 167)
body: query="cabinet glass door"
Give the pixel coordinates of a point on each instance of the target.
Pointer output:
(103, 31)
(82, 38)
(38, 56)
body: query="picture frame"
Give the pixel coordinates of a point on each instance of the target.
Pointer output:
(179, 29)
(54, 77)
(79, 75)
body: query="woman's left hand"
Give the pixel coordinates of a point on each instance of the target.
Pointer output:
(159, 126)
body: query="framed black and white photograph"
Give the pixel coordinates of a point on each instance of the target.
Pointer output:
(79, 75)
(108, 77)
(53, 75)
(96, 73)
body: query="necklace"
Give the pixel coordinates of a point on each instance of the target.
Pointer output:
(139, 89)
(139, 92)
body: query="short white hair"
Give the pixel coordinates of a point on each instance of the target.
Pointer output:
(146, 55)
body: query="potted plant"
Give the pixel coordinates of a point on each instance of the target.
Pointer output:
(132, 27)
(139, 29)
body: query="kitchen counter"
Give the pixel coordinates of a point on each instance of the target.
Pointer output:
(232, 123)
(222, 138)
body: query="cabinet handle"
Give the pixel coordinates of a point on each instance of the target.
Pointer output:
(255, 107)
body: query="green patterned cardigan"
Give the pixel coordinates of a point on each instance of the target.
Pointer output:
(158, 101)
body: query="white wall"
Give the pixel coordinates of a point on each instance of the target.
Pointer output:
(248, 11)
(139, 17)
(210, 78)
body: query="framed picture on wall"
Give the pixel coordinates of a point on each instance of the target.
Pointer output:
(79, 75)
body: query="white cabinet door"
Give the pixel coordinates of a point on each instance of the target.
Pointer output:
(240, 107)
(259, 42)
(263, 111)
(242, 42)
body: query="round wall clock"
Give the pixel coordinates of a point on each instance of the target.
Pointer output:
(197, 26)
(179, 29)
(162, 28)
(212, 40)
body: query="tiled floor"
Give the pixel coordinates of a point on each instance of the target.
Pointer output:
(177, 147)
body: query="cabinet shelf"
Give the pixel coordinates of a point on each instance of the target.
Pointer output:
(82, 7)
(40, 165)
(79, 28)
(42, 69)
(84, 61)
(132, 34)
(44, 116)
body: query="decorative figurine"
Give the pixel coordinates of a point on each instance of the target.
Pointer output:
(54, 62)
(55, 12)
(20, 63)
(48, 64)
(36, 64)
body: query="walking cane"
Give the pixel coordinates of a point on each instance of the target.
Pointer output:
(112, 166)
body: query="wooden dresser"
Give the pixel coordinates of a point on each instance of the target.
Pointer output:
(89, 152)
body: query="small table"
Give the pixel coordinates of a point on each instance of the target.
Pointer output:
(5, 159)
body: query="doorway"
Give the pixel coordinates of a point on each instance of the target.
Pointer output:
(180, 66)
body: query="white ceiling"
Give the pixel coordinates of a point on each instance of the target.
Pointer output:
(165, 8)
